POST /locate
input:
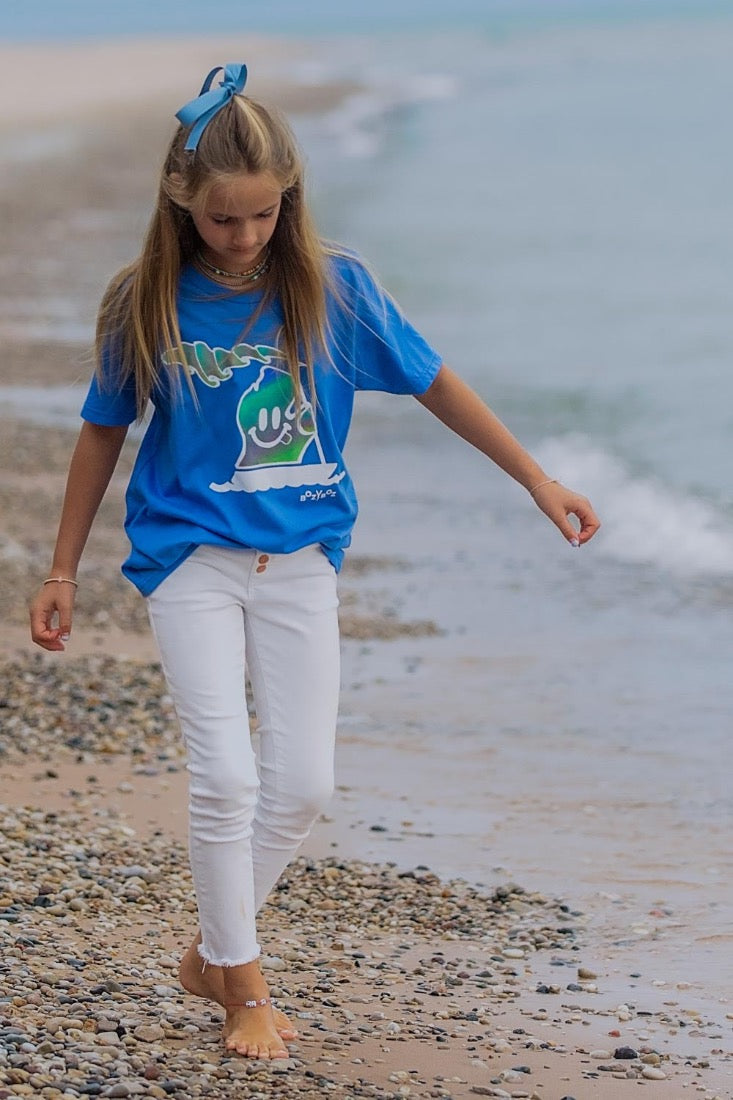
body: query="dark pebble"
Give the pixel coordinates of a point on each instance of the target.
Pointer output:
(625, 1053)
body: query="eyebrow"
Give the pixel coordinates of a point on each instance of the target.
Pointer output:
(222, 214)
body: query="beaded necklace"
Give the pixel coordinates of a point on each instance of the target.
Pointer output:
(250, 276)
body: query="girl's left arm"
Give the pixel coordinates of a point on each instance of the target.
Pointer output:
(462, 410)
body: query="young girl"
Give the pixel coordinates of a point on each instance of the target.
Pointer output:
(250, 337)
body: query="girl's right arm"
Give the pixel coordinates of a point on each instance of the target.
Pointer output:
(92, 465)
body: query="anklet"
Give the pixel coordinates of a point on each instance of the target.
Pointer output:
(251, 1004)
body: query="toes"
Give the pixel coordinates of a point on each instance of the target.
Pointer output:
(255, 1050)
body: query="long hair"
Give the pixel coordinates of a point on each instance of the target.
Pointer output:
(138, 316)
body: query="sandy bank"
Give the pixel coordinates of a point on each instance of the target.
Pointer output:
(70, 81)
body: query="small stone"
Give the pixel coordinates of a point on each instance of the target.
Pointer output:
(601, 1055)
(585, 975)
(108, 1038)
(149, 1033)
(622, 1053)
(273, 962)
(653, 1073)
(281, 1065)
(105, 1024)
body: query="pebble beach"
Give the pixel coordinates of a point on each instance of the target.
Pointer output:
(402, 980)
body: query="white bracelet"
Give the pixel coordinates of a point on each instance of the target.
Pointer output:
(550, 481)
(61, 580)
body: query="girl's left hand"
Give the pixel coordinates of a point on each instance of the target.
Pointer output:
(558, 503)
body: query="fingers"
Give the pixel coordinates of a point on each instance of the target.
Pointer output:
(51, 615)
(559, 503)
(589, 521)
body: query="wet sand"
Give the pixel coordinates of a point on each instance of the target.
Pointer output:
(654, 990)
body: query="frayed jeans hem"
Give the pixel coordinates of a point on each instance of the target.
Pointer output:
(226, 962)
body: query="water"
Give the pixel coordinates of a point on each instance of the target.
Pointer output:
(87, 18)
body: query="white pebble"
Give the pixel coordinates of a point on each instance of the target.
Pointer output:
(652, 1073)
(273, 962)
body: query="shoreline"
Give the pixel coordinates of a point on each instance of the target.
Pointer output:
(121, 769)
(88, 77)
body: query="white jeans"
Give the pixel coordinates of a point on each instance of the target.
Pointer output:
(277, 612)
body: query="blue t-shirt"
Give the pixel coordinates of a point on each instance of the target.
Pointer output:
(241, 464)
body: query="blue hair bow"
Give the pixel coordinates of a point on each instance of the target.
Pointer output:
(198, 112)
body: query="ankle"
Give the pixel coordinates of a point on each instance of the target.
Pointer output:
(258, 1002)
(245, 983)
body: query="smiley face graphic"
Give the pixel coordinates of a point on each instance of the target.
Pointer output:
(275, 430)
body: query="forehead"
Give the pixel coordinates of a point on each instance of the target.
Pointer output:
(242, 195)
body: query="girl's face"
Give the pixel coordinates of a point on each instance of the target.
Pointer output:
(238, 219)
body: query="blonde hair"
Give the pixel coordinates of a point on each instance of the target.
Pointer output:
(138, 318)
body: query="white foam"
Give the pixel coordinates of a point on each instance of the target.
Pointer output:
(361, 121)
(644, 521)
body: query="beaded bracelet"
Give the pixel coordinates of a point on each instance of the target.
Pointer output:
(61, 580)
(550, 481)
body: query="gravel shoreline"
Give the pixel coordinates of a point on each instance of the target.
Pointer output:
(402, 984)
(82, 1025)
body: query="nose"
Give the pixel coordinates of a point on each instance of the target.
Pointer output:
(245, 236)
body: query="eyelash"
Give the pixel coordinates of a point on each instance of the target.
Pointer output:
(264, 216)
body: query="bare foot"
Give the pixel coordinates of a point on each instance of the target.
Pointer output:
(208, 982)
(249, 1028)
(252, 1032)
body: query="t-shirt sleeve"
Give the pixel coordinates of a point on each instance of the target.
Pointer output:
(109, 402)
(388, 353)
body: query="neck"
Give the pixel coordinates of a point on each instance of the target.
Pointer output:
(234, 278)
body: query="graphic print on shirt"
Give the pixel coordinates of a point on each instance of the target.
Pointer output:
(280, 443)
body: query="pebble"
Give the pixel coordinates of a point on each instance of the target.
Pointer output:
(149, 1033)
(653, 1073)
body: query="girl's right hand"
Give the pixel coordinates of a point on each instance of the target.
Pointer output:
(54, 604)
